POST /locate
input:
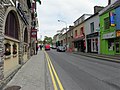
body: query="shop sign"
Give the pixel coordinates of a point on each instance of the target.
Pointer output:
(21, 13)
(109, 35)
(34, 33)
(117, 33)
(112, 19)
(96, 34)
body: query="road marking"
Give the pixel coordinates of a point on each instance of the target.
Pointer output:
(51, 73)
(54, 72)
(57, 78)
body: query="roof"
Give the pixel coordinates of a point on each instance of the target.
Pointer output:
(81, 16)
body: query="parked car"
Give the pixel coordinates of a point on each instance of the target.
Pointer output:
(61, 49)
(47, 47)
(53, 47)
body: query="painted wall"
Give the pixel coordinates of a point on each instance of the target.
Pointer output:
(94, 19)
(78, 29)
(104, 42)
(87, 27)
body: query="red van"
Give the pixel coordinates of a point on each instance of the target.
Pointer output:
(47, 47)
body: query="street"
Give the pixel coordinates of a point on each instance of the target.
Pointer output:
(84, 73)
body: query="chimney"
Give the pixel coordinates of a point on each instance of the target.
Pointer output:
(97, 9)
(71, 27)
(109, 1)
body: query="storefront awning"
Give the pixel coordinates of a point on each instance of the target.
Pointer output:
(78, 39)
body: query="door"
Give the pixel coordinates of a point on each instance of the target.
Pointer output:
(117, 44)
(89, 45)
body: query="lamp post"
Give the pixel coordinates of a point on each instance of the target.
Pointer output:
(65, 29)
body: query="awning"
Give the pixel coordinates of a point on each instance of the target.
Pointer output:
(78, 39)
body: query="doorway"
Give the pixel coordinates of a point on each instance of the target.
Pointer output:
(117, 45)
(89, 45)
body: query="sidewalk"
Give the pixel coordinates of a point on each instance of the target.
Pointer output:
(31, 76)
(112, 58)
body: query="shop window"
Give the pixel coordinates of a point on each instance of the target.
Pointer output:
(14, 49)
(111, 45)
(96, 43)
(7, 49)
(93, 42)
(117, 46)
(106, 23)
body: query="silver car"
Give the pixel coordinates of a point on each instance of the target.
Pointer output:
(61, 49)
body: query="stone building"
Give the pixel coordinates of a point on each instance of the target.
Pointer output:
(15, 32)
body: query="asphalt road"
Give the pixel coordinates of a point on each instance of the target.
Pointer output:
(84, 73)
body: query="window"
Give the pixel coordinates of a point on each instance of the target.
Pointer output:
(81, 31)
(106, 23)
(92, 27)
(11, 26)
(75, 33)
(14, 49)
(7, 49)
(111, 44)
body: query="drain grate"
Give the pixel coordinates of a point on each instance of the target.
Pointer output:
(13, 88)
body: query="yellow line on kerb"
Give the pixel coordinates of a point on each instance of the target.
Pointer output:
(52, 77)
(56, 76)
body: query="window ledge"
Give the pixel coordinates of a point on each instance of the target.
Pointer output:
(10, 38)
(8, 56)
(14, 55)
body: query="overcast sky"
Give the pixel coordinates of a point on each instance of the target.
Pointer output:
(50, 11)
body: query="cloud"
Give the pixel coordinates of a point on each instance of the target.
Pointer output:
(67, 10)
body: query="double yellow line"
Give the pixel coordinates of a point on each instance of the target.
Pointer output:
(53, 74)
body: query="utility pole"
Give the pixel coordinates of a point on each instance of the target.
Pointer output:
(65, 29)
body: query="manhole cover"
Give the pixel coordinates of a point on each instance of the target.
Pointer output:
(13, 88)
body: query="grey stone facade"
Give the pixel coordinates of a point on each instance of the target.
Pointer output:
(2, 15)
(4, 10)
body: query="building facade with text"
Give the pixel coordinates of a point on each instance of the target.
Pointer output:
(109, 29)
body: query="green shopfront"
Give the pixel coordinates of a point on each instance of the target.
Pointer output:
(109, 32)
(108, 43)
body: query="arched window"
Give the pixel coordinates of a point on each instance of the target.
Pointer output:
(11, 25)
(26, 36)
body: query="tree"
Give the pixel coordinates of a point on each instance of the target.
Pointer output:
(47, 40)
(40, 41)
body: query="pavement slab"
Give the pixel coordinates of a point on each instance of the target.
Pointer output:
(32, 74)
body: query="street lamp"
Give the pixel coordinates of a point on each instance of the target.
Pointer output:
(65, 29)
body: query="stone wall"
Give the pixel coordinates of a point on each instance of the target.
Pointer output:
(3, 10)
(2, 14)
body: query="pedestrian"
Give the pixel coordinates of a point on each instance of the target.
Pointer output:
(41, 47)
(37, 49)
